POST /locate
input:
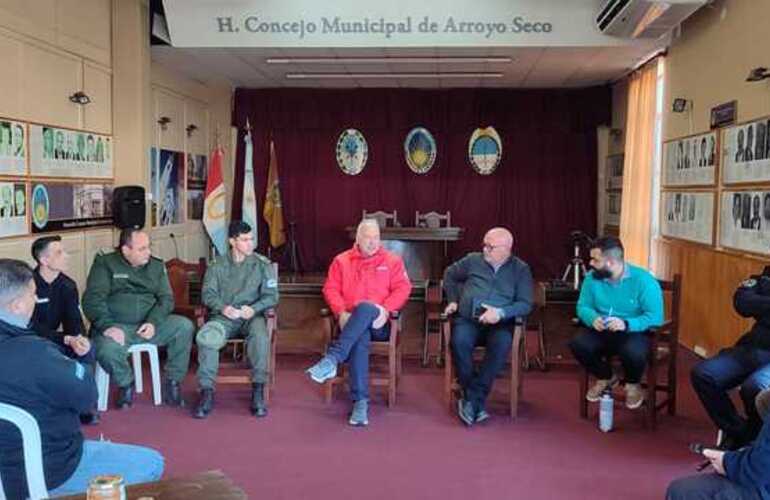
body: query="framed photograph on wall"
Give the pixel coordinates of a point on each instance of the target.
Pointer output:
(167, 183)
(615, 171)
(744, 221)
(13, 208)
(688, 215)
(612, 208)
(746, 156)
(58, 206)
(59, 152)
(691, 161)
(13, 148)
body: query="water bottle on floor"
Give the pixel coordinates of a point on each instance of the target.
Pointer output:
(606, 405)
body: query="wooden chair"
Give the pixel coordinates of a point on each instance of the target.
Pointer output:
(434, 304)
(180, 276)
(534, 322)
(515, 379)
(389, 349)
(384, 219)
(432, 220)
(664, 346)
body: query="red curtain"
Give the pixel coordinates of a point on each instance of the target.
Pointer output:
(544, 187)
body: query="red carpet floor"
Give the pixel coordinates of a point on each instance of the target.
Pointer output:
(418, 450)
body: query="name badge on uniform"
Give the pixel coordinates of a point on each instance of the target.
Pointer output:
(42, 300)
(119, 276)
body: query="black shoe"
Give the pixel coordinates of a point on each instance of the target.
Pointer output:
(205, 405)
(466, 412)
(172, 396)
(125, 397)
(258, 406)
(91, 418)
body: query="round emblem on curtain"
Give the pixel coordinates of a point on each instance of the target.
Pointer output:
(352, 151)
(41, 206)
(485, 150)
(420, 150)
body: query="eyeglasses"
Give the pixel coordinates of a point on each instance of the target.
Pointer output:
(491, 247)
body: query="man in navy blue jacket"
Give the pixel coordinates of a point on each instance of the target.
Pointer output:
(37, 377)
(740, 475)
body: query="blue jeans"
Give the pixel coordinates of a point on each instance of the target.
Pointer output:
(353, 346)
(136, 464)
(713, 378)
(709, 487)
(466, 335)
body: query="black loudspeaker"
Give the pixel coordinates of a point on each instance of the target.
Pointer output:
(128, 207)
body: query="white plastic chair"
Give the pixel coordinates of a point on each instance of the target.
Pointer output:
(136, 350)
(33, 450)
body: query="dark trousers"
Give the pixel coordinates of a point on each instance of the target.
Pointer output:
(594, 350)
(709, 487)
(466, 335)
(353, 344)
(713, 378)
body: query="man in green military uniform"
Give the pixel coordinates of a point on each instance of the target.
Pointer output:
(238, 288)
(128, 300)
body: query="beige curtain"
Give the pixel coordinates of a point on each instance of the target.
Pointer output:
(638, 168)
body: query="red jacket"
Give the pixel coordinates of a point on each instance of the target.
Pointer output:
(352, 278)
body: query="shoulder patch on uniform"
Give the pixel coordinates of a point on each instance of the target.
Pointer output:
(749, 283)
(80, 371)
(262, 258)
(271, 283)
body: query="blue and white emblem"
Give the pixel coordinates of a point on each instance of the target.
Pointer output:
(485, 150)
(420, 150)
(352, 151)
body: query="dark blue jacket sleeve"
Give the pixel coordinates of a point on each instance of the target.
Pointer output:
(750, 466)
(69, 383)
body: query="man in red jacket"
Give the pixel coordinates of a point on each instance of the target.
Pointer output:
(364, 285)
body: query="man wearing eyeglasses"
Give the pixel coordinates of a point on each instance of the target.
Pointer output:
(238, 288)
(486, 292)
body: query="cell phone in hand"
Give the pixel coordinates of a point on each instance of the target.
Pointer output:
(698, 448)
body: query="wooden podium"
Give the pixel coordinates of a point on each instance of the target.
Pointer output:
(425, 250)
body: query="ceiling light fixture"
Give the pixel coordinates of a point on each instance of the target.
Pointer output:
(388, 60)
(362, 76)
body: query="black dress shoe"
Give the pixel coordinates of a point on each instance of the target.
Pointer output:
(91, 418)
(258, 406)
(205, 405)
(125, 397)
(466, 412)
(172, 396)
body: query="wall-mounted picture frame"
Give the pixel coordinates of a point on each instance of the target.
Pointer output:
(746, 152)
(612, 208)
(13, 208)
(744, 220)
(61, 152)
(614, 172)
(13, 147)
(691, 160)
(688, 215)
(61, 205)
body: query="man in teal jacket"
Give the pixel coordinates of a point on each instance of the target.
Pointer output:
(618, 303)
(238, 288)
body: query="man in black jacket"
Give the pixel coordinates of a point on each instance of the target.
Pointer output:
(488, 291)
(747, 364)
(37, 377)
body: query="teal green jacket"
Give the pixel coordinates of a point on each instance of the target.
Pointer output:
(635, 298)
(248, 283)
(118, 293)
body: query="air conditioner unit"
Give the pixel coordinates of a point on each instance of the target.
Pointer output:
(644, 18)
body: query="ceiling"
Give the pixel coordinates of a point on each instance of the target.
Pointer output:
(530, 67)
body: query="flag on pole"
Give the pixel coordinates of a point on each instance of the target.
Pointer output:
(249, 207)
(214, 213)
(273, 211)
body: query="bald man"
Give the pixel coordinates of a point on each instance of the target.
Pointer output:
(365, 284)
(486, 292)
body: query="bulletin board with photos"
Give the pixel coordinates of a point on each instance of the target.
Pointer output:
(614, 174)
(613, 202)
(691, 161)
(688, 215)
(747, 152)
(59, 152)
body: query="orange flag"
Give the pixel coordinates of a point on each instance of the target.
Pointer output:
(272, 211)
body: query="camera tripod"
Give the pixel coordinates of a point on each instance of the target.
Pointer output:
(576, 268)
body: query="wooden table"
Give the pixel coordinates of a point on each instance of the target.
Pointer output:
(425, 250)
(210, 485)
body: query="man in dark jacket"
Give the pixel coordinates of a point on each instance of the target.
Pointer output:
(740, 475)
(747, 365)
(35, 376)
(488, 291)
